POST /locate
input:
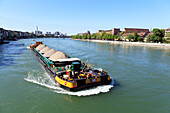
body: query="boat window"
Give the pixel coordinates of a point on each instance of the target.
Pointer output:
(66, 63)
(75, 62)
(76, 66)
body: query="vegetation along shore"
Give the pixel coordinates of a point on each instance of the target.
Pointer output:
(142, 37)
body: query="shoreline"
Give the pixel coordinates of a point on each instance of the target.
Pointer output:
(128, 43)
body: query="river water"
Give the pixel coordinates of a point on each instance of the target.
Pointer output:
(141, 75)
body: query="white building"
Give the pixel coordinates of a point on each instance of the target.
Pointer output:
(57, 33)
(38, 32)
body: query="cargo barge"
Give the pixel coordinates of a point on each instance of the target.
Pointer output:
(70, 73)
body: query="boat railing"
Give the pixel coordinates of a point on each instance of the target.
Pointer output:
(44, 59)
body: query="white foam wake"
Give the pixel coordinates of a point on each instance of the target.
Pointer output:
(27, 47)
(88, 92)
(43, 79)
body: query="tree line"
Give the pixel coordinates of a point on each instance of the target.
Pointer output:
(157, 36)
(97, 36)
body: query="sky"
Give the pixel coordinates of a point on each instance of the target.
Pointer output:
(78, 16)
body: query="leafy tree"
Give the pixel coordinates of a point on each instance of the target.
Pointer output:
(103, 35)
(88, 36)
(136, 36)
(149, 38)
(121, 33)
(156, 31)
(113, 37)
(152, 38)
(84, 36)
(159, 34)
(164, 40)
(79, 37)
(118, 38)
(130, 37)
(100, 37)
(140, 39)
(75, 36)
(109, 36)
(106, 37)
(72, 36)
(93, 36)
(96, 36)
(163, 32)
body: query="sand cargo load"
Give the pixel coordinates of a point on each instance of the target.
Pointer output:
(70, 73)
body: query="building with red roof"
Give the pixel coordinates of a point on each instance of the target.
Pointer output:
(114, 31)
(133, 30)
(143, 33)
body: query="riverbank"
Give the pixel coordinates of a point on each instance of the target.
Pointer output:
(129, 43)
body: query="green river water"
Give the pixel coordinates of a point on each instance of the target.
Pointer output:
(141, 74)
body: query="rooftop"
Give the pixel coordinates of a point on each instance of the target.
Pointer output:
(68, 59)
(136, 30)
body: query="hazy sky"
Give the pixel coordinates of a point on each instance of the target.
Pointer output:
(74, 16)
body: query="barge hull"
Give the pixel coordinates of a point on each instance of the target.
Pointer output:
(83, 86)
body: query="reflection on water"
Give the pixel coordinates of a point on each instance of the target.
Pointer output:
(8, 52)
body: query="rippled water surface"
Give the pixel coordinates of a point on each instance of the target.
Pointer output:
(141, 74)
